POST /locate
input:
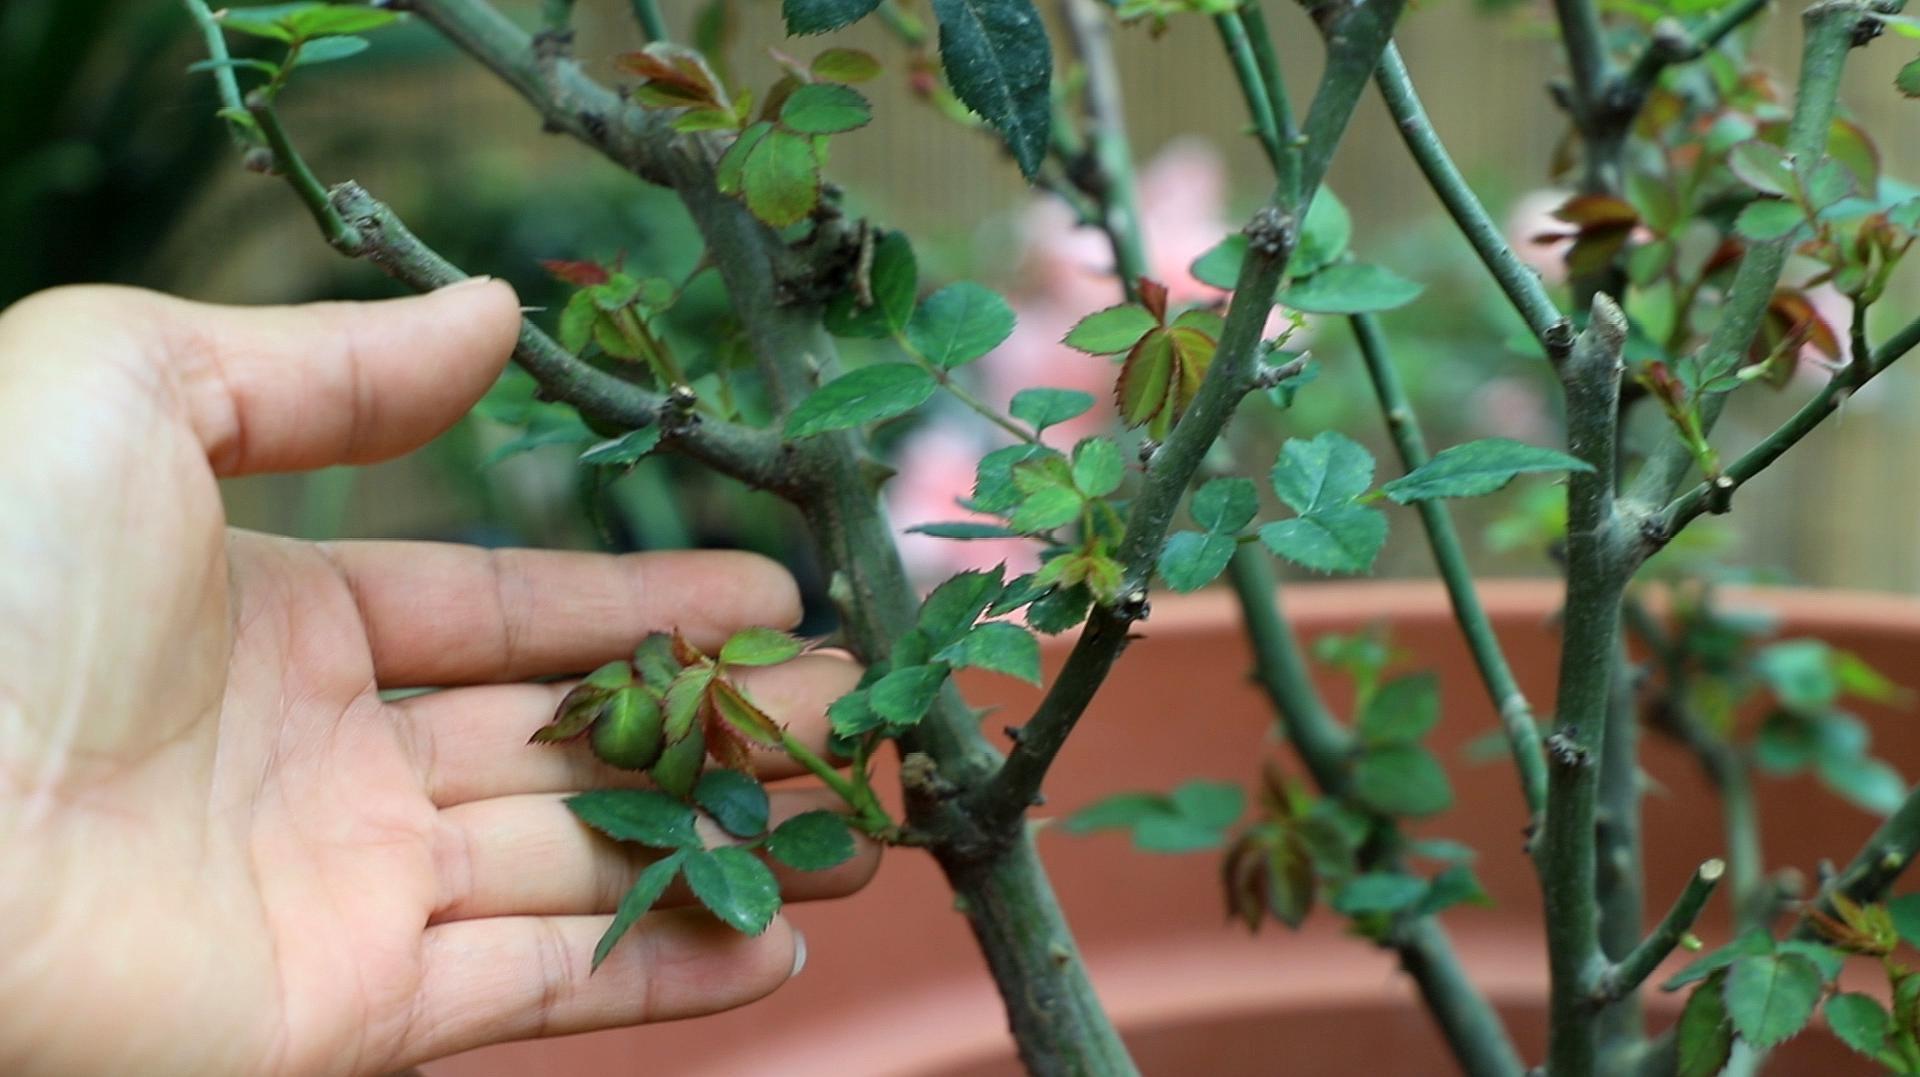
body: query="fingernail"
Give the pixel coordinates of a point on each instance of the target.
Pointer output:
(799, 954)
(468, 282)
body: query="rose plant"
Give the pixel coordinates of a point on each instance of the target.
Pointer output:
(1708, 213)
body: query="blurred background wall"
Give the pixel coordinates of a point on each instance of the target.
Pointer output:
(112, 168)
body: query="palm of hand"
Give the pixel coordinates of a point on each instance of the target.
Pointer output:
(242, 858)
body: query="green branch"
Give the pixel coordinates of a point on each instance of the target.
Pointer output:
(1518, 280)
(567, 99)
(340, 234)
(1246, 70)
(1620, 865)
(1831, 29)
(1267, 61)
(647, 14)
(752, 456)
(1114, 189)
(1674, 43)
(1716, 496)
(1723, 764)
(1517, 721)
(1472, 1028)
(214, 39)
(1597, 571)
(1363, 32)
(1632, 970)
(1880, 860)
(1324, 744)
(1584, 39)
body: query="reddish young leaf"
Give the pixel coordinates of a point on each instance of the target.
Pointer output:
(1146, 379)
(1153, 296)
(579, 274)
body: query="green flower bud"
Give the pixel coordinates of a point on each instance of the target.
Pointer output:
(628, 733)
(679, 766)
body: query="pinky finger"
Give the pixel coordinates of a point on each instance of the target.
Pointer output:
(526, 977)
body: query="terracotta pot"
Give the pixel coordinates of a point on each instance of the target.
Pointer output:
(894, 985)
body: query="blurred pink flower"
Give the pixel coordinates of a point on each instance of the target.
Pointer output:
(1065, 272)
(1531, 217)
(1514, 408)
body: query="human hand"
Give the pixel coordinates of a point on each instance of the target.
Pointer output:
(223, 851)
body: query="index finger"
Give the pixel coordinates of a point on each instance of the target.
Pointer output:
(441, 614)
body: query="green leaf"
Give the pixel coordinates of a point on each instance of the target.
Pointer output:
(1859, 1022)
(1220, 265)
(262, 66)
(999, 647)
(1060, 609)
(853, 714)
(1098, 467)
(1192, 559)
(729, 174)
(760, 647)
(994, 489)
(254, 27)
(1769, 218)
(845, 65)
(1770, 997)
(820, 16)
(329, 49)
(1402, 779)
(1907, 79)
(1118, 810)
(1332, 469)
(1324, 236)
(1041, 408)
(1342, 539)
(780, 178)
(1378, 892)
(1704, 1036)
(1350, 288)
(624, 450)
(1756, 941)
(812, 841)
(1762, 166)
(959, 323)
(1111, 331)
(1046, 508)
(867, 395)
(1000, 65)
(1402, 711)
(1800, 673)
(646, 816)
(1455, 886)
(903, 696)
(735, 886)
(1905, 911)
(963, 530)
(1476, 468)
(825, 108)
(319, 20)
(735, 800)
(1868, 783)
(639, 899)
(1175, 834)
(951, 609)
(1196, 816)
(1225, 505)
(894, 280)
(1213, 804)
